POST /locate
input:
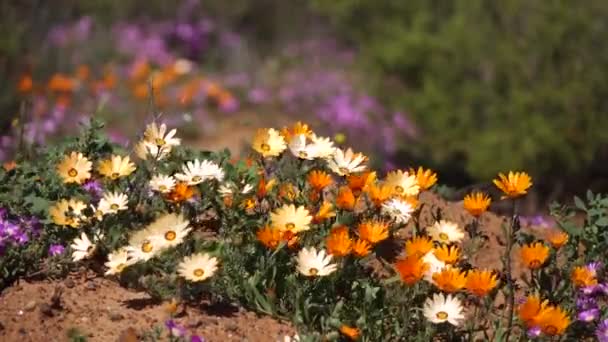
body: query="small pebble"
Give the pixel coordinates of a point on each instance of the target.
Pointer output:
(116, 316)
(31, 305)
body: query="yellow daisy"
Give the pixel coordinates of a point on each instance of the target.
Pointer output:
(513, 185)
(288, 217)
(67, 212)
(402, 183)
(75, 168)
(269, 142)
(116, 167)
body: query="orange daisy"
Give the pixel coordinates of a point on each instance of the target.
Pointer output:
(425, 178)
(534, 255)
(514, 185)
(476, 203)
(361, 248)
(345, 198)
(447, 254)
(450, 279)
(418, 245)
(411, 269)
(582, 276)
(360, 181)
(298, 128)
(480, 282)
(553, 321)
(325, 211)
(529, 311)
(379, 193)
(338, 242)
(557, 238)
(373, 231)
(181, 192)
(270, 237)
(319, 180)
(351, 332)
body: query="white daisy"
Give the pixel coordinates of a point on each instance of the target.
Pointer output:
(291, 218)
(402, 183)
(143, 246)
(322, 147)
(229, 188)
(312, 263)
(197, 267)
(118, 261)
(346, 162)
(399, 210)
(145, 149)
(300, 148)
(171, 229)
(182, 66)
(446, 232)
(435, 265)
(269, 142)
(444, 308)
(82, 248)
(158, 135)
(195, 172)
(111, 203)
(162, 183)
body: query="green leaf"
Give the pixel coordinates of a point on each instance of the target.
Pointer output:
(38, 205)
(579, 203)
(602, 222)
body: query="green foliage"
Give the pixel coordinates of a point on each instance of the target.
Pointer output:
(499, 84)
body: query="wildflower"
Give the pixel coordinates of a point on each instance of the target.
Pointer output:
(56, 249)
(446, 253)
(557, 238)
(158, 136)
(297, 129)
(398, 209)
(411, 269)
(553, 321)
(181, 192)
(175, 330)
(112, 202)
(61, 83)
(480, 282)
(161, 183)
(116, 167)
(288, 217)
(533, 332)
(446, 232)
(589, 315)
(270, 237)
(117, 261)
(476, 203)
(351, 332)
(425, 178)
(288, 191)
(9, 165)
(450, 279)
(322, 147)
(268, 142)
(379, 193)
(25, 84)
(444, 308)
(402, 183)
(530, 309)
(144, 149)
(197, 267)
(75, 168)
(67, 212)
(143, 246)
(373, 231)
(602, 331)
(195, 172)
(338, 242)
(325, 211)
(418, 246)
(582, 276)
(361, 248)
(435, 265)
(319, 180)
(358, 183)
(345, 199)
(312, 263)
(299, 147)
(82, 248)
(534, 255)
(93, 187)
(514, 185)
(171, 228)
(346, 162)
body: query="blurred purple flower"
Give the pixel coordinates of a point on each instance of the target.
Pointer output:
(589, 315)
(534, 332)
(93, 187)
(195, 338)
(56, 249)
(602, 331)
(175, 329)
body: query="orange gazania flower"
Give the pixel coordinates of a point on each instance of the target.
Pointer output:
(379, 193)
(534, 255)
(418, 245)
(450, 279)
(351, 332)
(61, 83)
(361, 248)
(480, 282)
(514, 185)
(359, 182)
(270, 237)
(298, 128)
(345, 199)
(476, 203)
(553, 321)
(325, 211)
(582, 276)
(319, 180)
(181, 192)
(411, 269)
(338, 242)
(9, 165)
(425, 178)
(447, 254)
(373, 231)
(529, 311)
(557, 238)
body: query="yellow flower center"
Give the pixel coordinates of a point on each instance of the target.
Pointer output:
(160, 142)
(115, 175)
(535, 263)
(313, 271)
(170, 235)
(73, 172)
(197, 178)
(550, 330)
(114, 206)
(162, 187)
(147, 247)
(98, 212)
(120, 267)
(442, 315)
(399, 189)
(199, 272)
(343, 170)
(302, 154)
(290, 226)
(69, 221)
(265, 147)
(444, 236)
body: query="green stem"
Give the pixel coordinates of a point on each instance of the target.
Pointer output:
(511, 289)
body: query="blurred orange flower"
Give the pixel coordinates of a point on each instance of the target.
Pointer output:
(425, 178)
(373, 231)
(476, 203)
(338, 242)
(411, 269)
(345, 199)
(534, 255)
(514, 185)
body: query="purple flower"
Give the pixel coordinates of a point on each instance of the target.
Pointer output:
(585, 303)
(602, 331)
(589, 315)
(175, 329)
(534, 332)
(195, 338)
(56, 249)
(93, 187)
(3, 212)
(594, 267)
(31, 225)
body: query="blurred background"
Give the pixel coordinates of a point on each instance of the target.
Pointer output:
(467, 88)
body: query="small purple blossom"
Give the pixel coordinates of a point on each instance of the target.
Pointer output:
(56, 249)
(534, 332)
(93, 187)
(589, 315)
(602, 331)
(175, 329)
(195, 338)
